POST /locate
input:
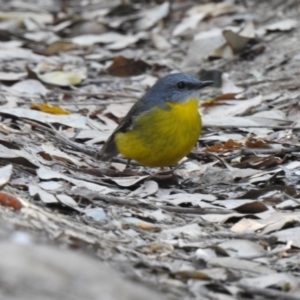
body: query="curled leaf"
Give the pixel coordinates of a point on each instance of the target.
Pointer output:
(230, 144)
(256, 144)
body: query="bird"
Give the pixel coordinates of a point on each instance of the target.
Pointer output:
(162, 127)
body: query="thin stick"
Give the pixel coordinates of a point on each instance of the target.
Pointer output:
(250, 126)
(182, 210)
(291, 197)
(233, 235)
(197, 210)
(99, 94)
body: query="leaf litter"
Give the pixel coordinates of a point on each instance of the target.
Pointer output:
(225, 224)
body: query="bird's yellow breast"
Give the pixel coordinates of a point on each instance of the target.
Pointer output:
(161, 137)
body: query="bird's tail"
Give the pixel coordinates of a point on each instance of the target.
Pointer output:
(108, 150)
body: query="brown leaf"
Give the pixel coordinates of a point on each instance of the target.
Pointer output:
(59, 46)
(251, 208)
(215, 148)
(123, 66)
(230, 144)
(9, 200)
(192, 274)
(135, 222)
(256, 144)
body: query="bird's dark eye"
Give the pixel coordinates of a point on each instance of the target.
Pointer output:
(181, 85)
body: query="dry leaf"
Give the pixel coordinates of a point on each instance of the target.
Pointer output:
(122, 66)
(50, 109)
(215, 9)
(152, 16)
(47, 174)
(61, 78)
(187, 23)
(59, 46)
(23, 157)
(272, 280)
(10, 44)
(73, 120)
(128, 181)
(230, 144)
(50, 185)
(97, 213)
(10, 76)
(203, 46)
(256, 144)
(241, 248)
(83, 27)
(140, 224)
(242, 173)
(39, 17)
(159, 41)
(44, 196)
(240, 264)
(5, 174)
(228, 86)
(68, 201)
(284, 25)
(42, 37)
(115, 41)
(148, 188)
(234, 108)
(192, 274)
(20, 53)
(30, 87)
(289, 234)
(238, 41)
(60, 155)
(9, 200)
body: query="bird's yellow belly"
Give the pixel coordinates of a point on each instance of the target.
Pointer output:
(160, 138)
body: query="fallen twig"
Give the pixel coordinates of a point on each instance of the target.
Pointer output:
(182, 210)
(233, 235)
(250, 126)
(291, 197)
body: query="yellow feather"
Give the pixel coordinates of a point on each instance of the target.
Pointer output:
(162, 137)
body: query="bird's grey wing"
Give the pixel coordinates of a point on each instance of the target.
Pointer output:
(109, 149)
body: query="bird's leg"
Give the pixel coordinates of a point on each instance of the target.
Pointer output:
(127, 164)
(172, 169)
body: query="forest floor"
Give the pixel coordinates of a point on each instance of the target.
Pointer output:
(224, 225)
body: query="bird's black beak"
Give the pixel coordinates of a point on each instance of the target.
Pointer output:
(204, 84)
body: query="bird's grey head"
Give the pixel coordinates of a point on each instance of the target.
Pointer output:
(176, 87)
